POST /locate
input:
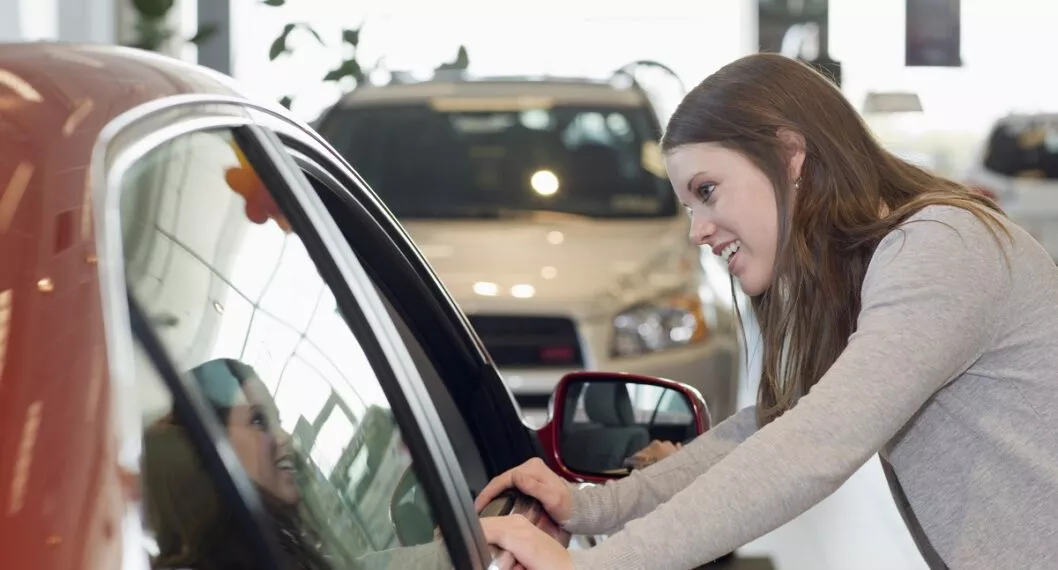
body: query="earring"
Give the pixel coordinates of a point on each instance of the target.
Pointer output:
(797, 183)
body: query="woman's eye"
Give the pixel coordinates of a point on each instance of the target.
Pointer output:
(705, 191)
(260, 420)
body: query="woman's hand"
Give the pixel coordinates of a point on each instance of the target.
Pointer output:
(531, 547)
(536, 479)
(651, 454)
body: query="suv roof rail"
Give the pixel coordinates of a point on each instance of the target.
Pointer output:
(628, 70)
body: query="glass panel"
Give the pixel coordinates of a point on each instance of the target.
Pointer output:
(241, 306)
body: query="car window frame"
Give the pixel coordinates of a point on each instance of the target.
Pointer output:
(474, 383)
(145, 128)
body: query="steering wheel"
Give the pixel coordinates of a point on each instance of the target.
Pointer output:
(513, 502)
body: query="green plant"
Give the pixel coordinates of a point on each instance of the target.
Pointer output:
(350, 66)
(152, 29)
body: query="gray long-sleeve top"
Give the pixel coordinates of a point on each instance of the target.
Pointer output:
(951, 376)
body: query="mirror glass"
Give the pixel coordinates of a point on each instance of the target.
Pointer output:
(410, 512)
(606, 423)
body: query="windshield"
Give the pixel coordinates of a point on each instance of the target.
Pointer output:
(425, 161)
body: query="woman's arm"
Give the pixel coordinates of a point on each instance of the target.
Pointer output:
(929, 298)
(603, 509)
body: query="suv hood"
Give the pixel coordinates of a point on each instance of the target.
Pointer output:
(572, 266)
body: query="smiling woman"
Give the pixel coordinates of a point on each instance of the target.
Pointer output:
(744, 227)
(902, 315)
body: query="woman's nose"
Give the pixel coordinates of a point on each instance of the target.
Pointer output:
(283, 439)
(701, 230)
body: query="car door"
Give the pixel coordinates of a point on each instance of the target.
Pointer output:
(475, 405)
(271, 403)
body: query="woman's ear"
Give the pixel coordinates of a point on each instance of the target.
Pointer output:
(794, 148)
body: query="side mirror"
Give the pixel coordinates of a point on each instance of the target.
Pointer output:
(601, 419)
(409, 512)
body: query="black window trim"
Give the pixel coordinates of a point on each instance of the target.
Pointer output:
(111, 159)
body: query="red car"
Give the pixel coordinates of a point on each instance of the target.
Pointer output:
(219, 350)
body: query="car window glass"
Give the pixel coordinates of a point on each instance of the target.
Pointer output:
(646, 404)
(456, 426)
(241, 307)
(597, 161)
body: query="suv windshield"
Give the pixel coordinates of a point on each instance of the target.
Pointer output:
(429, 161)
(1026, 148)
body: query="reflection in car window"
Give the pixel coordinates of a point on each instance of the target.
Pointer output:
(240, 305)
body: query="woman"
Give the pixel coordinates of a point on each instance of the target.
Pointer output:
(194, 527)
(901, 314)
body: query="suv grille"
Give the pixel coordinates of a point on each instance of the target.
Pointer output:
(530, 342)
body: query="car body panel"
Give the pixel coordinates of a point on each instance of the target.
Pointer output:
(68, 492)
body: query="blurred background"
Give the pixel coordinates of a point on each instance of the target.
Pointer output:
(959, 86)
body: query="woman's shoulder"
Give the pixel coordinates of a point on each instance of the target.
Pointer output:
(944, 227)
(945, 240)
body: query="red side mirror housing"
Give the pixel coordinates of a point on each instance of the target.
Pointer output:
(600, 419)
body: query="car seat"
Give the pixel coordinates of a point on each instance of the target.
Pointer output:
(611, 434)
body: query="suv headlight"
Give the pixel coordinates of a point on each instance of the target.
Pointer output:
(668, 322)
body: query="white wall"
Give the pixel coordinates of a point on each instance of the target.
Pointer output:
(1003, 48)
(695, 37)
(587, 36)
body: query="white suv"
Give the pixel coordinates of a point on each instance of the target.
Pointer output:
(543, 206)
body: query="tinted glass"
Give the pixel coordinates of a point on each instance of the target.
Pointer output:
(241, 306)
(430, 161)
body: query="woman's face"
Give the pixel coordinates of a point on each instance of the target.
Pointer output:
(263, 448)
(732, 207)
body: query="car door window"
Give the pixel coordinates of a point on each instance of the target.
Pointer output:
(467, 453)
(240, 306)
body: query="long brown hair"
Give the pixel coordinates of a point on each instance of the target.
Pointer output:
(851, 193)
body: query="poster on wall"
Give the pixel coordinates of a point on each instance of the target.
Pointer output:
(797, 29)
(932, 33)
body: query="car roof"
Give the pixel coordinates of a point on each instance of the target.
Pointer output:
(528, 90)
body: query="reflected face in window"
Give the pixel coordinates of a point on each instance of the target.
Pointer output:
(263, 448)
